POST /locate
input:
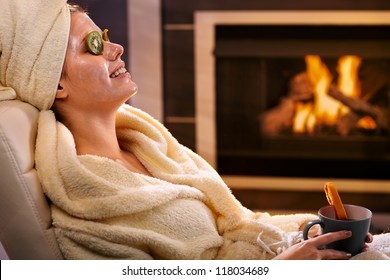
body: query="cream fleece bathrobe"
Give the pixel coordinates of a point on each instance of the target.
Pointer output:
(101, 210)
(185, 211)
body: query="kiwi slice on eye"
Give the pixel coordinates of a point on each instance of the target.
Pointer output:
(94, 43)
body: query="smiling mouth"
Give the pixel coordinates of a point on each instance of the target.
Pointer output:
(118, 72)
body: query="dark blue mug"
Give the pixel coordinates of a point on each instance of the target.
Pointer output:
(358, 222)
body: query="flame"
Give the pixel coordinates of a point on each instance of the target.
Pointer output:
(348, 82)
(325, 107)
(304, 119)
(367, 123)
(326, 110)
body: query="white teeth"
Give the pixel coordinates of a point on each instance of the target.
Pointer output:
(118, 72)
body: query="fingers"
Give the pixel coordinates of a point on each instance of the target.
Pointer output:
(330, 237)
(324, 239)
(365, 248)
(330, 254)
(369, 238)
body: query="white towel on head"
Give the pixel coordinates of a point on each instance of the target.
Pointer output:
(33, 42)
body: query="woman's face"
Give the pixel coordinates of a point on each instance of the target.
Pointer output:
(93, 81)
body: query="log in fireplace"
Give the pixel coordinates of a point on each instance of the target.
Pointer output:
(305, 97)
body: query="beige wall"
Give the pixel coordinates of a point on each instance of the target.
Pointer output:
(145, 55)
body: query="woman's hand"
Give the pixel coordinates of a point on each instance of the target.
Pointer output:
(309, 249)
(369, 239)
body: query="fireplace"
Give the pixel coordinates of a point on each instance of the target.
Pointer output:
(261, 80)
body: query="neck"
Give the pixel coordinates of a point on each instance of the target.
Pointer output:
(94, 134)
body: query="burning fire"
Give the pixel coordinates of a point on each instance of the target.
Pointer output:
(348, 82)
(326, 110)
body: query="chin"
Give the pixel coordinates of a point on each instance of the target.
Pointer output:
(133, 91)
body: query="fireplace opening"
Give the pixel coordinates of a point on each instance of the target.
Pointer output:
(303, 101)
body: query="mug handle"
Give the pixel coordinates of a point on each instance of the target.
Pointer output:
(309, 225)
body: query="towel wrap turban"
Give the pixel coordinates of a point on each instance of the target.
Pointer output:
(33, 41)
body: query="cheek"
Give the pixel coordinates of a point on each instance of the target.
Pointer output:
(87, 79)
(86, 71)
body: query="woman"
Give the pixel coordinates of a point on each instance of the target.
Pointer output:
(122, 187)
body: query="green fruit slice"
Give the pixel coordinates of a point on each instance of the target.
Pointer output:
(94, 43)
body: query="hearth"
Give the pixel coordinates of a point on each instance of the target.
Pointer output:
(295, 100)
(305, 97)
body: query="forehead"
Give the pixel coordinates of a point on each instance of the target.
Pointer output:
(81, 25)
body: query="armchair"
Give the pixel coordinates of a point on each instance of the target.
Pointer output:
(25, 221)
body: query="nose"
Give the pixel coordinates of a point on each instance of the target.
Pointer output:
(112, 51)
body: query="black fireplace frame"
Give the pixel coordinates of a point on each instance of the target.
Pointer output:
(243, 54)
(206, 116)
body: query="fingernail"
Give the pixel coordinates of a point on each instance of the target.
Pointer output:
(348, 233)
